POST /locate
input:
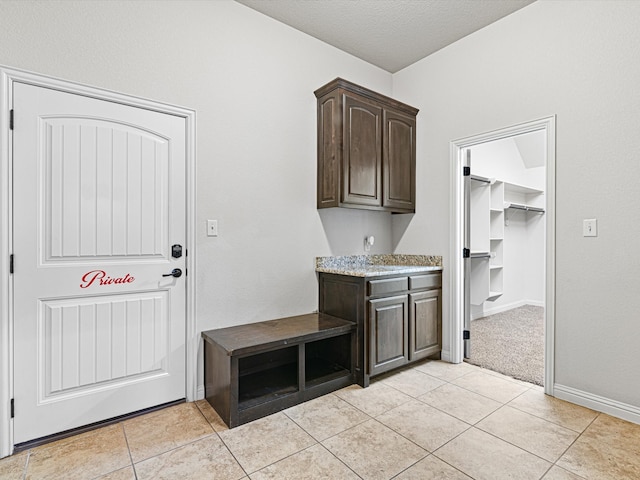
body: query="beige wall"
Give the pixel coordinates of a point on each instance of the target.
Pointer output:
(577, 60)
(251, 79)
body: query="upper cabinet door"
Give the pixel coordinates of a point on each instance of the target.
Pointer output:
(366, 149)
(329, 153)
(399, 161)
(362, 152)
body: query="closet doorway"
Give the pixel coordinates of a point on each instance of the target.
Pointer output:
(503, 279)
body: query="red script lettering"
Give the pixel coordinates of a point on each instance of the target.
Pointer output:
(100, 277)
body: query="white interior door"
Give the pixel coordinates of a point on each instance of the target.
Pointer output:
(98, 203)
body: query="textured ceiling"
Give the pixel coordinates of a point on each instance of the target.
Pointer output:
(391, 34)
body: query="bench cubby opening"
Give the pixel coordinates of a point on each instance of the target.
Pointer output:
(267, 376)
(327, 360)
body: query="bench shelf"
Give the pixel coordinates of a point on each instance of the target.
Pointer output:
(257, 369)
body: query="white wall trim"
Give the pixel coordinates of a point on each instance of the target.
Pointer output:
(504, 308)
(456, 279)
(456, 211)
(445, 356)
(6, 334)
(7, 77)
(614, 408)
(199, 393)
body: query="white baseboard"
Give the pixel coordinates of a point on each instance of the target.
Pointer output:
(614, 408)
(503, 308)
(535, 303)
(445, 356)
(200, 392)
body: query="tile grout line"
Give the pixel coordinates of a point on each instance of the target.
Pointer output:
(191, 442)
(471, 426)
(579, 432)
(368, 414)
(475, 393)
(335, 434)
(26, 465)
(248, 475)
(375, 418)
(437, 458)
(572, 444)
(447, 442)
(221, 439)
(386, 426)
(360, 423)
(126, 439)
(471, 391)
(498, 438)
(503, 404)
(232, 455)
(514, 445)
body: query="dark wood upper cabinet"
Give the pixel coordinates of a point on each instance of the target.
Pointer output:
(399, 178)
(366, 149)
(361, 152)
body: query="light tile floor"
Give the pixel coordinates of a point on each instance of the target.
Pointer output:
(431, 421)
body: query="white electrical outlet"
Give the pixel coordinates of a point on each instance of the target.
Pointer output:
(212, 228)
(590, 227)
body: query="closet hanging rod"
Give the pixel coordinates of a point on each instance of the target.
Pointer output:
(526, 208)
(478, 178)
(480, 255)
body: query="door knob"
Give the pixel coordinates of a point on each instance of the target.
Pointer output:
(176, 272)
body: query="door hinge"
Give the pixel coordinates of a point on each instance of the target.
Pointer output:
(11, 263)
(466, 335)
(12, 408)
(466, 253)
(11, 119)
(466, 171)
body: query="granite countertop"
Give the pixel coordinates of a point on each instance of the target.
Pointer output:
(376, 265)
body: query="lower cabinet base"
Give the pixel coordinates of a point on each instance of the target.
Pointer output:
(365, 379)
(398, 317)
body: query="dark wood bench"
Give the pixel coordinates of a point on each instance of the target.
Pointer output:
(257, 369)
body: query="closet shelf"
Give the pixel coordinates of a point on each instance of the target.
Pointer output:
(495, 267)
(515, 188)
(527, 208)
(494, 296)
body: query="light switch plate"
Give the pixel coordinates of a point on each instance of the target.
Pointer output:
(212, 228)
(590, 227)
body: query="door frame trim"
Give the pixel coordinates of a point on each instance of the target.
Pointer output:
(8, 76)
(547, 124)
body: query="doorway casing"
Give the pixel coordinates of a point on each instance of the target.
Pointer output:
(7, 78)
(456, 286)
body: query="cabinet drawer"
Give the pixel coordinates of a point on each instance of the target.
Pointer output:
(387, 286)
(433, 280)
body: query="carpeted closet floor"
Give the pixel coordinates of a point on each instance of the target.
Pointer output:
(511, 343)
